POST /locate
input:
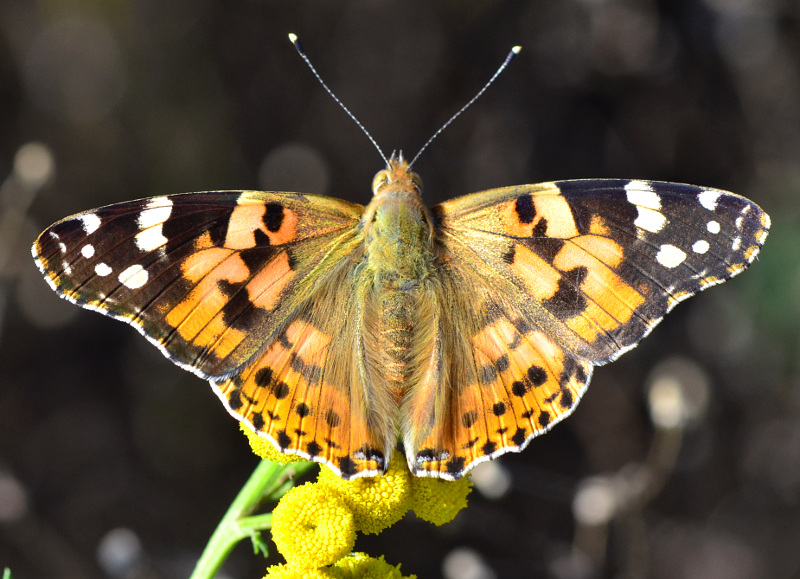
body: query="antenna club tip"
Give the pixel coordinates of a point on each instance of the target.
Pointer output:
(296, 42)
(515, 50)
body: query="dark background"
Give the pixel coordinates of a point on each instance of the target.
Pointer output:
(99, 433)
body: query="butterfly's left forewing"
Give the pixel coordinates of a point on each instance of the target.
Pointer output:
(207, 277)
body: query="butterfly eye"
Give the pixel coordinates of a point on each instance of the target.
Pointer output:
(417, 182)
(380, 181)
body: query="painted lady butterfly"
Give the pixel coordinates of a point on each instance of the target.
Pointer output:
(463, 331)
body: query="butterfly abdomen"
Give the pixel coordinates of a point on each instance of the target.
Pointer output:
(395, 335)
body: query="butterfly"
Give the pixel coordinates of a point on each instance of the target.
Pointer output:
(463, 331)
(337, 331)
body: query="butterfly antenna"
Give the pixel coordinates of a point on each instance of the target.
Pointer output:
(511, 54)
(299, 48)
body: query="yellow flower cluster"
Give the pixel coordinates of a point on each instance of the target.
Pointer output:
(377, 502)
(354, 566)
(314, 525)
(312, 528)
(265, 449)
(439, 501)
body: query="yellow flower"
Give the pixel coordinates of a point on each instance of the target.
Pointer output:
(439, 501)
(353, 566)
(362, 566)
(377, 502)
(312, 527)
(265, 449)
(289, 572)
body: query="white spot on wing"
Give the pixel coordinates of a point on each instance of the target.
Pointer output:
(650, 220)
(700, 246)
(157, 211)
(62, 247)
(648, 203)
(90, 222)
(737, 243)
(150, 221)
(708, 199)
(87, 251)
(133, 277)
(102, 269)
(713, 227)
(150, 239)
(640, 193)
(670, 256)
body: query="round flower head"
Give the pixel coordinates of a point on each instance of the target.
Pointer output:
(312, 527)
(377, 502)
(289, 572)
(439, 501)
(263, 448)
(362, 566)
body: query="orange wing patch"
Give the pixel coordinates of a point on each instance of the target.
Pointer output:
(197, 318)
(605, 301)
(285, 397)
(200, 317)
(273, 220)
(525, 383)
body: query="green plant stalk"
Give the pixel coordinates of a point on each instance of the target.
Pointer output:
(268, 480)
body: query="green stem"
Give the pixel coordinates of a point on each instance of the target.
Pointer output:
(237, 524)
(256, 522)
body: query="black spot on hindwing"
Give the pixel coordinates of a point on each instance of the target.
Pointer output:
(332, 418)
(280, 390)
(489, 447)
(537, 375)
(348, 467)
(455, 466)
(263, 377)
(468, 419)
(284, 440)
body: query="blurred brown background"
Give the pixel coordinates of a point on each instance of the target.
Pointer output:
(683, 459)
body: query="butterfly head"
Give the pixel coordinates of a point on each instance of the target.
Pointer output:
(396, 178)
